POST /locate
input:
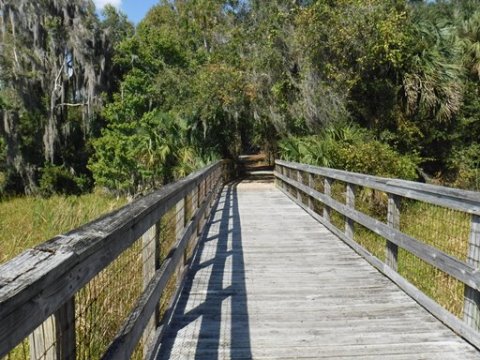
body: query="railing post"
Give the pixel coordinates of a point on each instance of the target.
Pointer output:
(471, 308)
(284, 173)
(311, 185)
(393, 220)
(151, 262)
(278, 181)
(199, 203)
(55, 338)
(327, 190)
(349, 223)
(300, 180)
(179, 227)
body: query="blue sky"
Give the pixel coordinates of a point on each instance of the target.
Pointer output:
(135, 9)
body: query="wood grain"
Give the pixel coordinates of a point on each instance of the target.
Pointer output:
(270, 282)
(460, 270)
(462, 200)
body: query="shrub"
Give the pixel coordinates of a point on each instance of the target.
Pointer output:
(464, 168)
(350, 148)
(58, 180)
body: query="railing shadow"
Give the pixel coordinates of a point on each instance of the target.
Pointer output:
(211, 317)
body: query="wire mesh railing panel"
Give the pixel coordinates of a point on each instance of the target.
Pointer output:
(337, 219)
(338, 193)
(446, 229)
(103, 303)
(397, 208)
(319, 183)
(438, 285)
(373, 203)
(168, 239)
(375, 244)
(93, 314)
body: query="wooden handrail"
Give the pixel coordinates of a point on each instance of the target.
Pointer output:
(462, 200)
(40, 281)
(468, 202)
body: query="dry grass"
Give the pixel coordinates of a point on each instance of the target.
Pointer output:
(103, 304)
(445, 229)
(29, 221)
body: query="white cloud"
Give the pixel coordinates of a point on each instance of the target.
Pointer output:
(100, 4)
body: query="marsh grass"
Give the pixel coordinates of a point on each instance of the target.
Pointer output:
(104, 303)
(28, 221)
(445, 229)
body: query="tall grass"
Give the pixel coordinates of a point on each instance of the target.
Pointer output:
(103, 304)
(29, 221)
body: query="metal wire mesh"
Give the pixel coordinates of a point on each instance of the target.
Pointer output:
(338, 193)
(103, 304)
(441, 287)
(374, 243)
(318, 185)
(445, 229)
(373, 203)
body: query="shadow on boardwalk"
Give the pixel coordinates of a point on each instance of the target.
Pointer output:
(215, 321)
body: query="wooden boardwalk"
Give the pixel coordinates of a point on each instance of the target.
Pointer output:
(270, 282)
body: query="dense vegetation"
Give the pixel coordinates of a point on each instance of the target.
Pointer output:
(385, 87)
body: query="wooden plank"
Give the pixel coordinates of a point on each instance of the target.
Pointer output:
(430, 305)
(449, 264)
(327, 190)
(471, 308)
(393, 220)
(68, 262)
(125, 342)
(151, 262)
(55, 338)
(167, 318)
(350, 202)
(239, 295)
(311, 185)
(461, 200)
(300, 180)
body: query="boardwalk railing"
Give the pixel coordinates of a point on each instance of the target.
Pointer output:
(425, 238)
(105, 289)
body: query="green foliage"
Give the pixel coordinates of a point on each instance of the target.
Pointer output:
(352, 149)
(58, 180)
(136, 156)
(464, 167)
(203, 79)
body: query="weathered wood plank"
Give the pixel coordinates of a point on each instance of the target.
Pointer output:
(462, 200)
(253, 268)
(471, 309)
(310, 184)
(125, 342)
(55, 338)
(449, 264)
(151, 262)
(327, 190)
(393, 220)
(350, 202)
(57, 269)
(435, 309)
